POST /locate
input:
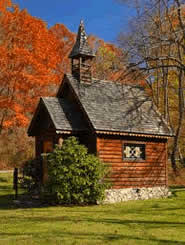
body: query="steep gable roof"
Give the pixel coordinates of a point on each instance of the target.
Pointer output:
(118, 107)
(63, 115)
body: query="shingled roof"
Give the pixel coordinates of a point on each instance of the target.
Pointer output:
(81, 46)
(118, 107)
(62, 113)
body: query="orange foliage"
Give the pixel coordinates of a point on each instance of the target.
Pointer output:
(66, 39)
(30, 63)
(4, 4)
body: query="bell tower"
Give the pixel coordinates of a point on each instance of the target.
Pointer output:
(81, 57)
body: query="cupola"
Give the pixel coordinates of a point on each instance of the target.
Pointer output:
(81, 57)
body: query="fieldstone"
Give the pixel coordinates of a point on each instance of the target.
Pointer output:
(121, 195)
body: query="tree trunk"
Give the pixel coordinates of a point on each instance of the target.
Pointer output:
(180, 120)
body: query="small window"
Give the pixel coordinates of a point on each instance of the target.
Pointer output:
(133, 151)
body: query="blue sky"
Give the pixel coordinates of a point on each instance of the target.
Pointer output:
(103, 18)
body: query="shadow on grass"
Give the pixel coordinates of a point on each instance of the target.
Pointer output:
(23, 201)
(92, 236)
(4, 188)
(78, 218)
(177, 187)
(6, 201)
(151, 224)
(26, 201)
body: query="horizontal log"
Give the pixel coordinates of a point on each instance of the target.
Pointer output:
(139, 165)
(137, 175)
(159, 150)
(115, 186)
(110, 148)
(137, 168)
(103, 140)
(132, 163)
(153, 154)
(136, 179)
(154, 150)
(135, 163)
(110, 156)
(101, 152)
(138, 183)
(117, 159)
(156, 157)
(113, 144)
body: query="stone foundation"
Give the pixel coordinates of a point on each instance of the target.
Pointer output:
(126, 194)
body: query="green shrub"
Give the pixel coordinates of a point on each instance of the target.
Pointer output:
(74, 176)
(32, 171)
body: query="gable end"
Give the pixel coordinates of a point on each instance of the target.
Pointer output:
(41, 120)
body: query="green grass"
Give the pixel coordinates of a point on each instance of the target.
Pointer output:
(129, 223)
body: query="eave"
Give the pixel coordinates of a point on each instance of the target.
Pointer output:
(133, 134)
(72, 132)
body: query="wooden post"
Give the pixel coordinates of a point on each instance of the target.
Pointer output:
(15, 182)
(47, 147)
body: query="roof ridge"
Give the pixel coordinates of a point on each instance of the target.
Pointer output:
(108, 81)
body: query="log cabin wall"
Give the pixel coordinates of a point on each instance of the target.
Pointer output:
(150, 172)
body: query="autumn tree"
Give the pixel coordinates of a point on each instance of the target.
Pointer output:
(29, 59)
(156, 43)
(31, 64)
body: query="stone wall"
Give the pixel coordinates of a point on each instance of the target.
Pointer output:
(126, 194)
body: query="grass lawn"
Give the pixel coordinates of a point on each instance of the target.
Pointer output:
(129, 223)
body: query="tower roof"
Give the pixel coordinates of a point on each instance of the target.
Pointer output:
(81, 46)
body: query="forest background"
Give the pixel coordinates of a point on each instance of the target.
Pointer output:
(34, 59)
